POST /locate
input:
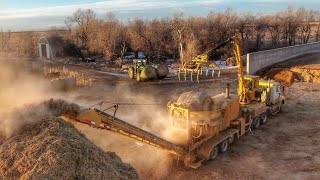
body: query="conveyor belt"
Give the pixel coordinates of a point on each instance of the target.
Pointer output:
(115, 124)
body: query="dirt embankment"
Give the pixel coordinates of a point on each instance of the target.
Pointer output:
(294, 74)
(45, 146)
(308, 73)
(304, 68)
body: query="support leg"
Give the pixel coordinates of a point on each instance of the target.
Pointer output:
(185, 75)
(198, 76)
(191, 76)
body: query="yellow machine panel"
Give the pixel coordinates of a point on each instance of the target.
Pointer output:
(252, 86)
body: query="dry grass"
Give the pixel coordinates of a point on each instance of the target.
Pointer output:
(62, 73)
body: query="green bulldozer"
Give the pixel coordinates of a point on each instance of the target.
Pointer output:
(143, 72)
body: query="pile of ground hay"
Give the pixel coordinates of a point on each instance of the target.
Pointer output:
(51, 148)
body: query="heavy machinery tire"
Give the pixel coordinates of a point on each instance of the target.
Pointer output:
(263, 118)
(213, 153)
(131, 72)
(280, 108)
(231, 139)
(223, 146)
(138, 77)
(256, 123)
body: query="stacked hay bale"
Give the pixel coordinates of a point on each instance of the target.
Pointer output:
(162, 71)
(149, 73)
(201, 101)
(66, 84)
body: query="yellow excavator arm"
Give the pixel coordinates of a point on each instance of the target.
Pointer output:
(242, 91)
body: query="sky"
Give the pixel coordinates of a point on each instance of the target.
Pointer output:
(44, 14)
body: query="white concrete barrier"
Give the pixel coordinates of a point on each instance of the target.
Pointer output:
(262, 59)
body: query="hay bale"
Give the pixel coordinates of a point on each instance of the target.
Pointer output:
(149, 73)
(219, 102)
(53, 75)
(66, 84)
(195, 101)
(70, 83)
(162, 71)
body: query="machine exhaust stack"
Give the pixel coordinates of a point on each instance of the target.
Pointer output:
(269, 81)
(227, 91)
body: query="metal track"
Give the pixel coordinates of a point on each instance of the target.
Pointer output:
(117, 125)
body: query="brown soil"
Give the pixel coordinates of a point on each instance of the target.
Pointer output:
(303, 68)
(281, 75)
(308, 73)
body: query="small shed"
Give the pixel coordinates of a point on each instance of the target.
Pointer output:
(51, 47)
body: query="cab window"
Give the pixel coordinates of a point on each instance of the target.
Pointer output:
(248, 85)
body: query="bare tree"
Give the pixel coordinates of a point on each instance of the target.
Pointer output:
(123, 42)
(110, 38)
(179, 28)
(189, 36)
(4, 39)
(140, 37)
(291, 22)
(259, 33)
(275, 27)
(245, 27)
(304, 29)
(82, 24)
(27, 47)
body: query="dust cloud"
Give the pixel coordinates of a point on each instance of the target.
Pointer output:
(144, 111)
(21, 91)
(35, 143)
(23, 100)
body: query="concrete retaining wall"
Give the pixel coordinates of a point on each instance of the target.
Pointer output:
(262, 59)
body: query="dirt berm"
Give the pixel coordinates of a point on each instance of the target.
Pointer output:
(51, 148)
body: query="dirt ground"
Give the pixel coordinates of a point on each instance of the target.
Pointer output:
(303, 68)
(286, 147)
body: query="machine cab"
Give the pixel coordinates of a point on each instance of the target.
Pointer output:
(252, 87)
(139, 62)
(273, 91)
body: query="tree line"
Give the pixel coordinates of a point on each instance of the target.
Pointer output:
(184, 37)
(179, 36)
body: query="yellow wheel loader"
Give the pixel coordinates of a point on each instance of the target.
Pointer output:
(143, 72)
